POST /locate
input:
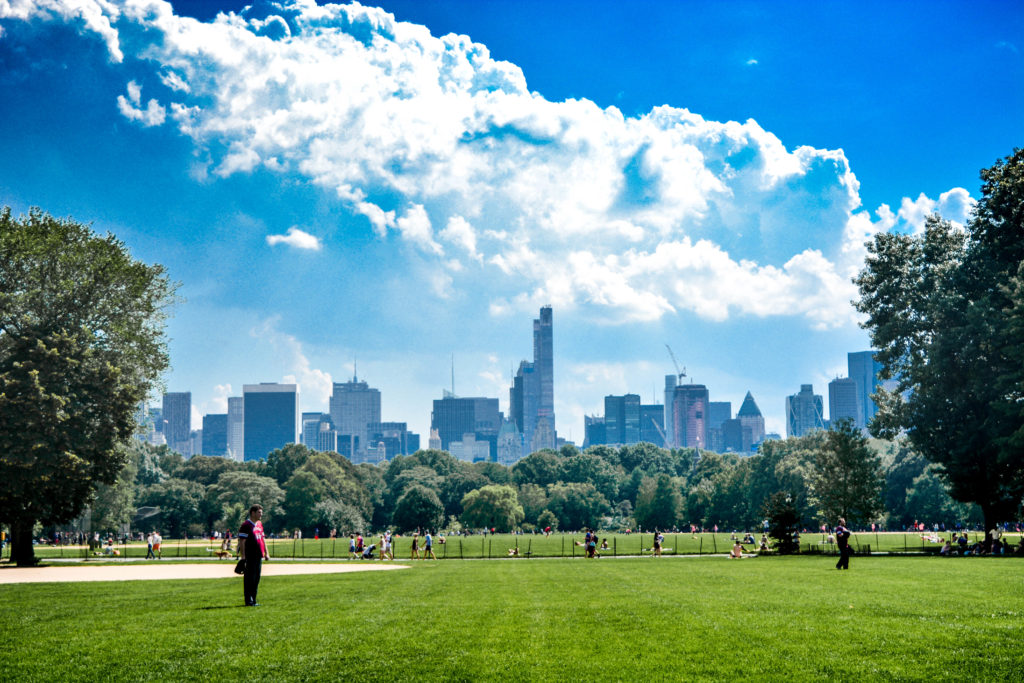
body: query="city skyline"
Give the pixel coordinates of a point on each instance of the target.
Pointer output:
(399, 185)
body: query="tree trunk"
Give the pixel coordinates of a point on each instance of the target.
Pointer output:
(989, 514)
(22, 552)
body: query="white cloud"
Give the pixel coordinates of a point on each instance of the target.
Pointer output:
(560, 202)
(297, 239)
(130, 107)
(315, 386)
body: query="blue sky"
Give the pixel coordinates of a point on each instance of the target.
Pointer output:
(400, 184)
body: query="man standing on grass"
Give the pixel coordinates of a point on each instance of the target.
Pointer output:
(843, 541)
(253, 549)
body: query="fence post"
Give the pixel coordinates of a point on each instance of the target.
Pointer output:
(700, 546)
(563, 546)
(714, 541)
(460, 550)
(675, 542)
(615, 546)
(489, 548)
(529, 549)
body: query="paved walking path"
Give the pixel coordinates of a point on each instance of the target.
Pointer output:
(173, 570)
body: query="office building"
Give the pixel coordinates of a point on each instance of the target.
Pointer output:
(270, 416)
(863, 370)
(622, 419)
(395, 438)
(236, 427)
(668, 419)
(177, 421)
(531, 398)
(842, 401)
(652, 428)
(751, 418)
(803, 412)
(468, 449)
(510, 444)
(689, 416)
(215, 434)
(454, 417)
(353, 407)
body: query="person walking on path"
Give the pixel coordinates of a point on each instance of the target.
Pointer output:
(157, 540)
(253, 549)
(149, 546)
(428, 546)
(843, 541)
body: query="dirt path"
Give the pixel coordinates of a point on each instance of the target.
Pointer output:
(173, 570)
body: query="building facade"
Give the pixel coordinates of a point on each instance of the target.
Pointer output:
(689, 416)
(176, 416)
(803, 412)
(271, 418)
(863, 370)
(236, 428)
(842, 401)
(215, 434)
(353, 407)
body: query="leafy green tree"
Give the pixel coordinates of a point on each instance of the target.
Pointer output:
(241, 490)
(81, 345)
(902, 465)
(587, 468)
(418, 508)
(659, 505)
(114, 504)
(302, 492)
(180, 504)
(928, 500)
(534, 500)
(492, 507)
(206, 469)
(540, 468)
(493, 472)
(546, 519)
(333, 514)
(577, 506)
(783, 522)
(944, 311)
(848, 480)
(281, 463)
(456, 485)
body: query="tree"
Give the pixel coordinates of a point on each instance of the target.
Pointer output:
(492, 507)
(114, 504)
(848, 480)
(945, 313)
(783, 522)
(179, 501)
(241, 490)
(418, 508)
(540, 468)
(81, 345)
(577, 506)
(659, 505)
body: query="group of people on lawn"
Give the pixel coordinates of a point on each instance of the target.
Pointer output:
(994, 546)
(357, 548)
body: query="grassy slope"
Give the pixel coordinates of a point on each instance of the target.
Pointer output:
(778, 618)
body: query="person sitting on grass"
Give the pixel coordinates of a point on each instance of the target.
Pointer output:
(604, 544)
(737, 551)
(764, 542)
(513, 552)
(946, 549)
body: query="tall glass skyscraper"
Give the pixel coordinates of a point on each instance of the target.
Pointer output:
(690, 415)
(842, 400)
(532, 396)
(236, 427)
(863, 369)
(177, 416)
(271, 417)
(803, 412)
(215, 434)
(354, 406)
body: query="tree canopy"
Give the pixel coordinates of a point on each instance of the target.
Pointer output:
(946, 312)
(81, 345)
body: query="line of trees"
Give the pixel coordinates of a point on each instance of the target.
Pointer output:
(824, 474)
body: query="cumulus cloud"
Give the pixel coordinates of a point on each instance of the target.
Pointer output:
(316, 385)
(130, 107)
(297, 239)
(560, 202)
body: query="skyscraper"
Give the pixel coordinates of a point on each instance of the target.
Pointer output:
(751, 418)
(271, 417)
(689, 415)
(236, 427)
(842, 400)
(215, 434)
(177, 421)
(532, 396)
(454, 417)
(863, 369)
(803, 412)
(669, 420)
(354, 406)
(651, 427)
(622, 419)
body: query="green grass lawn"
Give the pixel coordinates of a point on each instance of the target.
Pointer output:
(556, 545)
(792, 618)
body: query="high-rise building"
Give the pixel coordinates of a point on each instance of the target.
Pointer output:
(468, 449)
(751, 418)
(668, 420)
(318, 432)
(842, 400)
(454, 417)
(652, 429)
(594, 432)
(803, 412)
(863, 370)
(396, 437)
(271, 417)
(622, 419)
(354, 406)
(718, 412)
(510, 444)
(177, 421)
(689, 416)
(215, 434)
(531, 398)
(236, 427)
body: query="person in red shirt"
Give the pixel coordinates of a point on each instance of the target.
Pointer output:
(253, 549)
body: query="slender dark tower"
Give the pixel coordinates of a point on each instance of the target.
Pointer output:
(543, 361)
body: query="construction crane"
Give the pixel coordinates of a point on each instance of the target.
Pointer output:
(664, 439)
(679, 373)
